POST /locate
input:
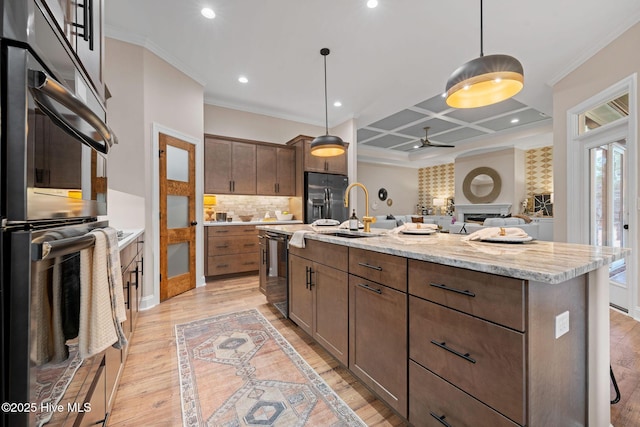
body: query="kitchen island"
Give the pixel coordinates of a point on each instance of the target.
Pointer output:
(449, 330)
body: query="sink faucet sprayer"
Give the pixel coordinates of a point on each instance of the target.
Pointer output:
(366, 219)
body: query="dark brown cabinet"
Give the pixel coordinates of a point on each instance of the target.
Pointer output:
(231, 249)
(275, 170)
(230, 166)
(310, 163)
(378, 324)
(319, 295)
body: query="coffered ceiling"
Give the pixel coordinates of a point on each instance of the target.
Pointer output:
(388, 65)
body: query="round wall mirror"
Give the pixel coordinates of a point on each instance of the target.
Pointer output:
(482, 185)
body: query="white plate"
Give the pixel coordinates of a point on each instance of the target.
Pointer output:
(507, 239)
(419, 231)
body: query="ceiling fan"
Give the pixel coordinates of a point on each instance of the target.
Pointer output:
(426, 143)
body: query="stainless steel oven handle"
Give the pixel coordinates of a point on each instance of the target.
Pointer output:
(43, 88)
(60, 247)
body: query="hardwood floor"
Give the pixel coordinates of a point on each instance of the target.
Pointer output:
(625, 362)
(149, 391)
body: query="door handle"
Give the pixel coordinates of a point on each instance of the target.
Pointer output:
(194, 223)
(626, 226)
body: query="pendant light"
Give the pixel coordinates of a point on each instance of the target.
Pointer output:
(485, 80)
(326, 145)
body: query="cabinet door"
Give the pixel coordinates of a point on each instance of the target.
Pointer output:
(312, 163)
(263, 269)
(89, 40)
(286, 160)
(217, 166)
(243, 168)
(300, 295)
(331, 325)
(266, 164)
(378, 340)
(337, 164)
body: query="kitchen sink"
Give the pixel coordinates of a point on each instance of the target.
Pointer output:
(350, 235)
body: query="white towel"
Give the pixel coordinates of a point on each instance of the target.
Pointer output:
(297, 240)
(413, 226)
(492, 232)
(99, 303)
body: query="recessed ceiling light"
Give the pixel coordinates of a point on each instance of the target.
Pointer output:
(208, 13)
(372, 3)
(337, 104)
(515, 121)
(243, 79)
(416, 146)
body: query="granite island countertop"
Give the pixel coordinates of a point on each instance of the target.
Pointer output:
(542, 261)
(252, 222)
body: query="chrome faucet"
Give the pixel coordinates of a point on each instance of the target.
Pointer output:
(366, 219)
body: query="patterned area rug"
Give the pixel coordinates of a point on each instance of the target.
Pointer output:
(237, 370)
(52, 381)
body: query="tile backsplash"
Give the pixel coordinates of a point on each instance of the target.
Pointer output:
(251, 205)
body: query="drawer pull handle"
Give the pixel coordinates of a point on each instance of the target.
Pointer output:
(222, 247)
(246, 245)
(441, 419)
(222, 265)
(248, 263)
(375, 267)
(221, 231)
(369, 288)
(458, 291)
(444, 346)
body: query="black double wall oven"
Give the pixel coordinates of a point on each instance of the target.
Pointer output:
(54, 145)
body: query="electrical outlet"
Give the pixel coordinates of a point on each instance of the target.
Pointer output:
(562, 324)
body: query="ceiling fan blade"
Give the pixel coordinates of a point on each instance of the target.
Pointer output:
(426, 143)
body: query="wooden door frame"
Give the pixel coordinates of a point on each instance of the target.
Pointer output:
(154, 299)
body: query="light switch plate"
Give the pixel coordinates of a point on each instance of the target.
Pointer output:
(562, 324)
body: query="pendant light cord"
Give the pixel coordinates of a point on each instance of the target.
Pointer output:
(481, 41)
(326, 109)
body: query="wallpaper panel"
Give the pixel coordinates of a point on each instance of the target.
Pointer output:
(539, 171)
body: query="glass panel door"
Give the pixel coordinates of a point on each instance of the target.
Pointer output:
(608, 211)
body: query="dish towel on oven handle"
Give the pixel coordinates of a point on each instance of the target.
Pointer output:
(101, 297)
(297, 239)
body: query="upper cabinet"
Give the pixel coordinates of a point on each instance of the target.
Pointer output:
(81, 22)
(336, 165)
(276, 167)
(229, 166)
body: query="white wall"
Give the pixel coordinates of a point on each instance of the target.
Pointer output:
(146, 90)
(240, 124)
(510, 165)
(401, 185)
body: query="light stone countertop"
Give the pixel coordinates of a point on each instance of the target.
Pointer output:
(252, 222)
(542, 261)
(128, 237)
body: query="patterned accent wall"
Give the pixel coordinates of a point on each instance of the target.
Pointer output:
(539, 171)
(435, 182)
(439, 181)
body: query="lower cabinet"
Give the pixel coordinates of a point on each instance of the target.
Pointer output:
(231, 249)
(319, 295)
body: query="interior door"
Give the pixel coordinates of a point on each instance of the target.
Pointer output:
(177, 216)
(608, 211)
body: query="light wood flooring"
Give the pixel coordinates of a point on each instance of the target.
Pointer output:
(149, 391)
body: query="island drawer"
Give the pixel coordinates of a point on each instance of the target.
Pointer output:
(231, 230)
(336, 256)
(496, 298)
(232, 245)
(389, 270)
(227, 264)
(481, 358)
(430, 397)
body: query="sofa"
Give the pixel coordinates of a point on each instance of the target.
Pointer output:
(385, 222)
(469, 227)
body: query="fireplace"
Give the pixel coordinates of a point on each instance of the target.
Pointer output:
(486, 210)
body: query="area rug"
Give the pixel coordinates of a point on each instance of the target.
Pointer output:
(51, 383)
(237, 370)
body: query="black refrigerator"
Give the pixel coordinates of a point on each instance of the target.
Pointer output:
(324, 196)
